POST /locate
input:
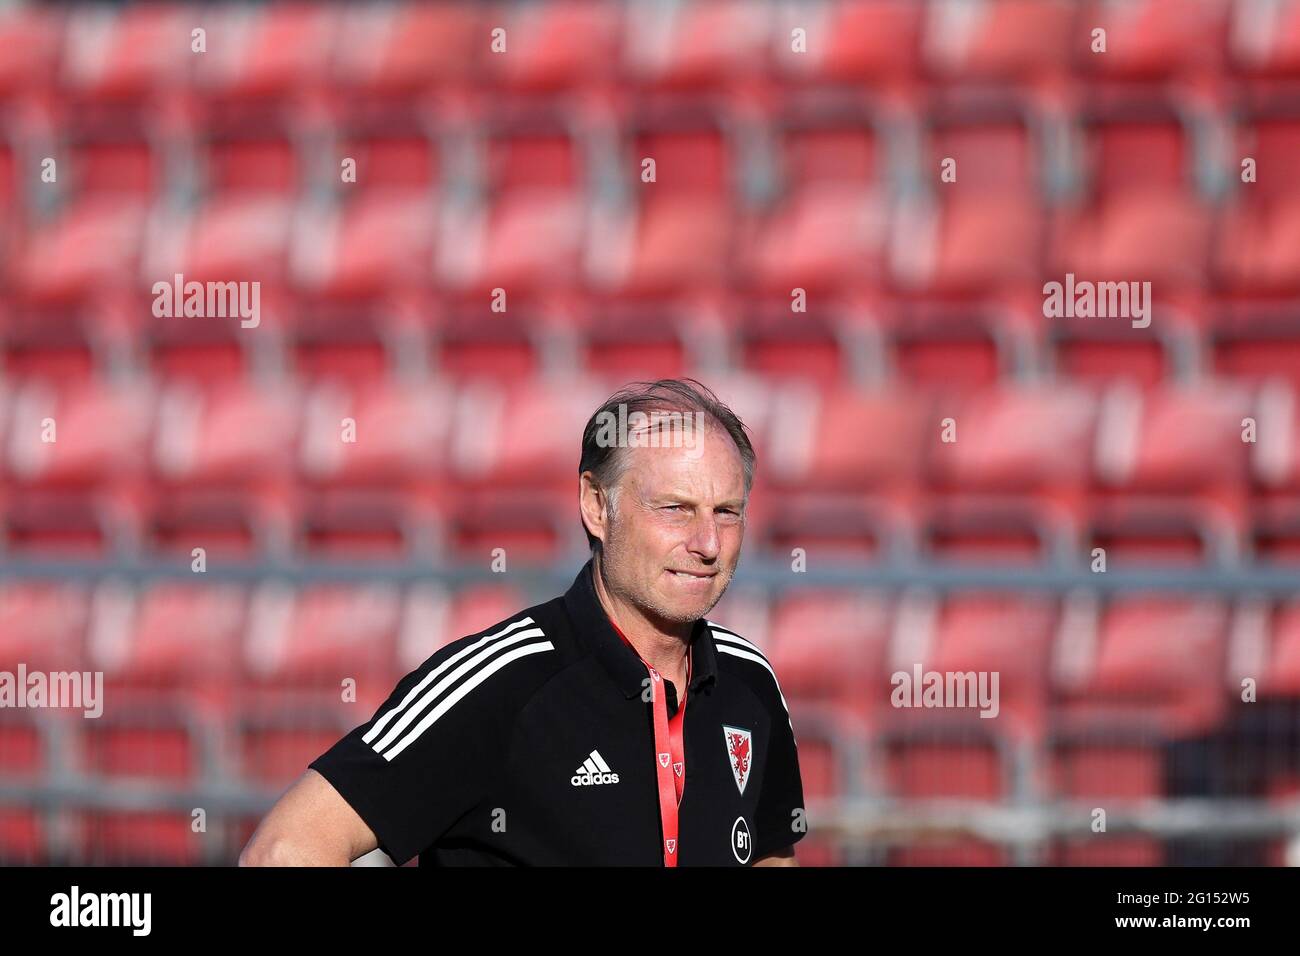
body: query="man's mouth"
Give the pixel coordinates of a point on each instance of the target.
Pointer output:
(692, 574)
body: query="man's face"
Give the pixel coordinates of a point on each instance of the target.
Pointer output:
(672, 544)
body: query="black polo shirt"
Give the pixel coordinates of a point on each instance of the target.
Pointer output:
(532, 742)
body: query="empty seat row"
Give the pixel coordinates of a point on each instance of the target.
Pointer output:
(1174, 659)
(1176, 438)
(95, 52)
(834, 240)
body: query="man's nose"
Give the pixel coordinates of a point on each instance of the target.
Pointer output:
(704, 536)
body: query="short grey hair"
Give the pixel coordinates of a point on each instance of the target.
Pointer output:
(608, 461)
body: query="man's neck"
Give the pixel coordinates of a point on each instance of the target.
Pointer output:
(665, 651)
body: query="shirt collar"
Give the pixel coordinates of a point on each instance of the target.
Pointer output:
(597, 634)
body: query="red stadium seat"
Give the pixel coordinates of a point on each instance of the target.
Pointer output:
(169, 637)
(125, 166)
(1149, 530)
(627, 343)
(1159, 237)
(1274, 459)
(266, 52)
(1150, 664)
(953, 752)
(237, 238)
(1265, 38)
(834, 527)
(970, 243)
(100, 432)
(92, 247)
(702, 45)
(558, 45)
(1033, 438)
(673, 244)
(251, 162)
(1255, 248)
(982, 529)
(830, 645)
(1153, 39)
(1110, 774)
(29, 40)
(1272, 141)
(126, 838)
(360, 525)
(233, 433)
(433, 616)
(524, 525)
(322, 634)
(1155, 132)
(53, 345)
(382, 49)
(63, 523)
(1173, 439)
(828, 227)
(1008, 39)
(1092, 354)
(9, 191)
(124, 53)
(391, 158)
(835, 150)
(471, 343)
(381, 242)
(1281, 676)
(401, 432)
(991, 154)
(43, 624)
(145, 739)
(848, 439)
(828, 344)
(525, 242)
(823, 236)
(948, 348)
(521, 434)
(979, 633)
(851, 41)
(21, 837)
(1274, 532)
(230, 523)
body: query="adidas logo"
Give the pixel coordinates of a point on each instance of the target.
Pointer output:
(593, 772)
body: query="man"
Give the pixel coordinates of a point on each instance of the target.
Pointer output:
(611, 725)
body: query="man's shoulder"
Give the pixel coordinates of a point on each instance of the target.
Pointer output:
(513, 656)
(742, 658)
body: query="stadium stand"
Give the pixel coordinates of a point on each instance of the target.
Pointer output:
(778, 176)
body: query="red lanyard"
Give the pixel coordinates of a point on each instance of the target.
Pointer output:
(670, 753)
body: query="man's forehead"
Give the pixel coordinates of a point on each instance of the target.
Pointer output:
(663, 469)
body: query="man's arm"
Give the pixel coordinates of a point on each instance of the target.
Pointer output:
(779, 858)
(311, 825)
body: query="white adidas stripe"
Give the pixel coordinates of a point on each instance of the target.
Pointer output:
(429, 677)
(735, 638)
(737, 646)
(588, 766)
(433, 674)
(437, 689)
(451, 699)
(600, 761)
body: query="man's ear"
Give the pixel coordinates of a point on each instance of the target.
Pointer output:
(592, 502)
